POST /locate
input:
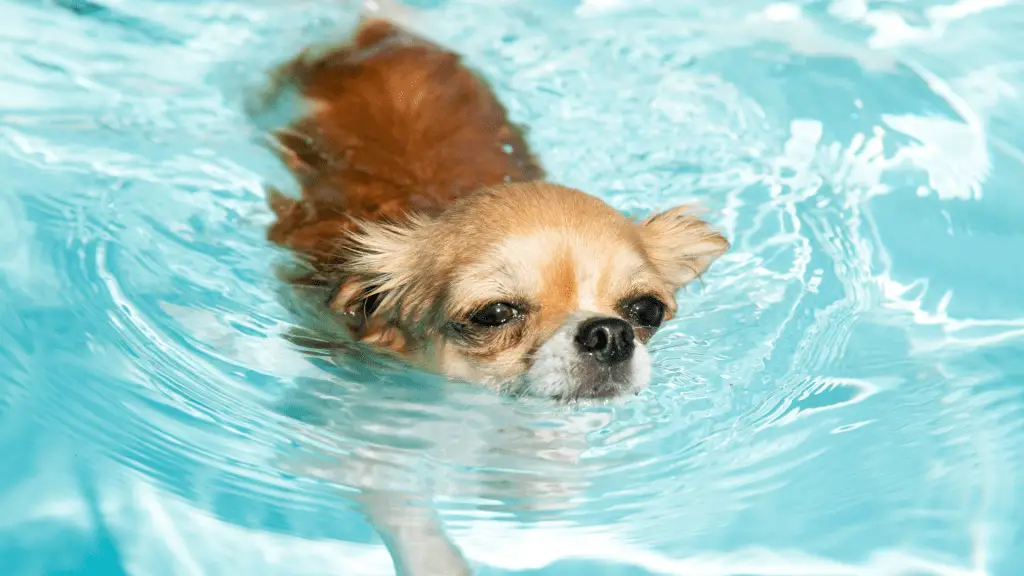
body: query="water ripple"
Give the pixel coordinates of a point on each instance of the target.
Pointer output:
(839, 397)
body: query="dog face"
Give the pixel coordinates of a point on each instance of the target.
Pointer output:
(527, 288)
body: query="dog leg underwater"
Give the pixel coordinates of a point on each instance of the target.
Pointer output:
(414, 535)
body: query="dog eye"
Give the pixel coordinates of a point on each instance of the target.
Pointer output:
(647, 311)
(495, 314)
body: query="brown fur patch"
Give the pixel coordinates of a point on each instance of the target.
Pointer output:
(558, 280)
(422, 203)
(399, 125)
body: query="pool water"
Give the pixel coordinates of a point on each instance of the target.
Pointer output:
(844, 394)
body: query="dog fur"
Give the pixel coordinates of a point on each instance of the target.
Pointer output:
(422, 204)
(422, 207)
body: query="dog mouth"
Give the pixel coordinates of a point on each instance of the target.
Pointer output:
(568, 368)
(596, 394)
(579, 382)
(597, 382)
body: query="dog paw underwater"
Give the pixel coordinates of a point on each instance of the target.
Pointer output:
(430, 227)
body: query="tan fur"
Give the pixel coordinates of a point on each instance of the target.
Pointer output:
(422, 203)
(555, 250)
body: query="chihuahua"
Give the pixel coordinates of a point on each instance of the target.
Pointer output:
(424, 211)
(428, 224)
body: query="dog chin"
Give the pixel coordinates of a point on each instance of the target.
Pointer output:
(561, 372)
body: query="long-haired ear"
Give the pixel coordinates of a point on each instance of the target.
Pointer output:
(680, 245)
(381, 264)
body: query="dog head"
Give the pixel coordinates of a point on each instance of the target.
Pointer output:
(527, 288)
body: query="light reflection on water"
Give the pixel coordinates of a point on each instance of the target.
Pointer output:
(842, 396)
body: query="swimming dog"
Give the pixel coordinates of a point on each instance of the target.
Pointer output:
(424, 211)
(429, 225)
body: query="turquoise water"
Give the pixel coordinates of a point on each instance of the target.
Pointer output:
(844, 395)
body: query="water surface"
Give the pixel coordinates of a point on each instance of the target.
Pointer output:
(843, 395)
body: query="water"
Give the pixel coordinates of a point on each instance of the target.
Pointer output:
(844, 395)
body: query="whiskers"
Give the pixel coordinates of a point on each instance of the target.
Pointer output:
(518, 387)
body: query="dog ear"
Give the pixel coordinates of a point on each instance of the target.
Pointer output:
(680, 245)
(381, 264)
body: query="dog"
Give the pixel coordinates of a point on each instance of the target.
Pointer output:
(429, 230)
(426, 214)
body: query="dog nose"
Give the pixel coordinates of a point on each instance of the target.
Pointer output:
(610, 340)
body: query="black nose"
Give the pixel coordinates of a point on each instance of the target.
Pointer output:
(610, 340)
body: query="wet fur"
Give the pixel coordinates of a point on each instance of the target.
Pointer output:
(395, 125)
(420, 202)
(411, 172)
